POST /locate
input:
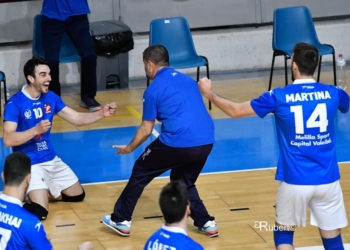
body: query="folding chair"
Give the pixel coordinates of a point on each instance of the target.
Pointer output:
(175, 35)
(290, 26)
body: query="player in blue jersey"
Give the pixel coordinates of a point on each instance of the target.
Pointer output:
(20, 229)
(173, 202)
(307, 168)
(185, 142)
(71, 17)
(28, 117)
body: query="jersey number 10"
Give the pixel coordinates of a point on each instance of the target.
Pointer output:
(318, 118)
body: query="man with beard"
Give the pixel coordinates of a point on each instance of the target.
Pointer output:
(28, 118)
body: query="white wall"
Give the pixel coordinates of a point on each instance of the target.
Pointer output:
(234, 49)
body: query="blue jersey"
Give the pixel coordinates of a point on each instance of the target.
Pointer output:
(171, 238)
(174, 99)
(304, 114)
(27, 112)
(63, 9)
(19, 229)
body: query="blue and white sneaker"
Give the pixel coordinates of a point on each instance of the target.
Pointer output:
(122, 228)
(210, 228)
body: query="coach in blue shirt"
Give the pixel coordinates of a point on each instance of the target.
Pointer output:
(70, 16)
(185, 142)
(307, 168)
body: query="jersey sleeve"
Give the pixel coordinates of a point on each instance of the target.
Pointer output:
(264, 104)
(11, 112)
(149, 107)
(343, 101)
(59, 103)
(37, 238)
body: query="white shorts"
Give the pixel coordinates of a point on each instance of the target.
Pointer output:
(53, 175)
(327, 209)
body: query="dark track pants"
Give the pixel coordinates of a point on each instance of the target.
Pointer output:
(78, 29)
(185, 164)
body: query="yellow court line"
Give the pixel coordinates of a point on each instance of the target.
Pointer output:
(139, 117)
(133, 111)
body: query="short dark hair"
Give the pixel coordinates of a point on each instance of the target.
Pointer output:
(306, 58)
(16, 168)
(31, 64)
(157, 54)
(173, 202)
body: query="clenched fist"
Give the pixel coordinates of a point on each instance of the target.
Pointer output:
(109, 109)
(204, 86)
(43, 126)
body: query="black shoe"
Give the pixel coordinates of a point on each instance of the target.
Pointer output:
(90, 103)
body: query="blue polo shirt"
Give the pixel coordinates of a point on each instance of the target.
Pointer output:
(63, 9)
(305, 115)
(174, 99)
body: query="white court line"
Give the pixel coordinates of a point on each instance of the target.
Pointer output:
(346, 247)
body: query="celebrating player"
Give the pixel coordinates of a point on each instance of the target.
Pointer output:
(28, 118)
(307, 168)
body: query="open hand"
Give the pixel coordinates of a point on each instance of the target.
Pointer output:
(123, 149)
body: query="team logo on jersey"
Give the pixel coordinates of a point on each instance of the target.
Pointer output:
(38, 226)
(28, 114)
(47, 108)
(38, 137)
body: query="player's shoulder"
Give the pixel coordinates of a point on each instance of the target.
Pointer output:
(16, 99)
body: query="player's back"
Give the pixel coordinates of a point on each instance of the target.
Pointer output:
(305, 117)
(181, 110)
(171, 238)
(20, 229)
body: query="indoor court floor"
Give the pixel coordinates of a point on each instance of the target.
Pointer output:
(237, 184)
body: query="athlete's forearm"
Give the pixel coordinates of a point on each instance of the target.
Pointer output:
(141, 135)
(230, 108)
(87, 118)
(18, 138)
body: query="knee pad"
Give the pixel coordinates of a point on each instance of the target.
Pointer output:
(37, 210)
(76, 198)
(283, 237)
(333, 243)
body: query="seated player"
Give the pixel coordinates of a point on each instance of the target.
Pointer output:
(173, 202)
(28, 118)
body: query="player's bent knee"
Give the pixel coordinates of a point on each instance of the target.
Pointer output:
(283, 237)
(76, 198)
(37, 210)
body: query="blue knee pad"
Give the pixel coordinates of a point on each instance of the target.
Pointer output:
(283, 237)
(333, 243)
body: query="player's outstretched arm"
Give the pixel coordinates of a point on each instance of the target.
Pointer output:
(80, 119)
(14, 138)
(142, 133)
(235, 110)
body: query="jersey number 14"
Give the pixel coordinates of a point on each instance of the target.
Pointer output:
(318, 118)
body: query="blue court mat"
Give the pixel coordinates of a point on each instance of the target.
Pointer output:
(241, 144)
